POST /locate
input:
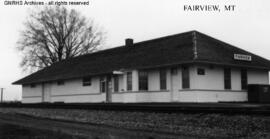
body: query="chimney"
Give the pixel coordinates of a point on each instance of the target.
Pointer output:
(129, 42)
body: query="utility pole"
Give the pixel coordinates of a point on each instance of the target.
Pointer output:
(2, 93)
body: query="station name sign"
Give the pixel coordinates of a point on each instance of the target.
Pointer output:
(242, 57)
(118, 72)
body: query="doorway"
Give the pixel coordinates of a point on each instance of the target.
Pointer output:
(46, 92)
(109, 88)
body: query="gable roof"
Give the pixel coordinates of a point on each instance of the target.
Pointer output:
(188, 47)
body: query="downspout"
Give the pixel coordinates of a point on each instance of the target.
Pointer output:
(194, 40)
(195, 53)
(171, 85)
(42, 92)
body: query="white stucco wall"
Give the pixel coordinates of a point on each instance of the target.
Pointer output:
(71, 91)
(156, 96)
(213, 78)
(121, 83)
(176, 79)
(153, 80)
(181, 96)
(210, 87)
(135, 80)
(31, 95)
(203, 88)
(32, 91)
(74, 91)
(31, 99)
(124, 83)
(87, 98)
(258, 77)
(73, 87)
(211, 96)
(235, 79)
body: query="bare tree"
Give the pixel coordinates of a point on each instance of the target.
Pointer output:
(53, 34)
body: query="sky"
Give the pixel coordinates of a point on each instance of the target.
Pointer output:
(247, 27)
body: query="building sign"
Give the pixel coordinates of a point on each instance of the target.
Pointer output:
(242, 57)
(118, 72)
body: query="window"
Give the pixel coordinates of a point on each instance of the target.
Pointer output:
(32, 85)
(201, 71)
(60, 82)
(244, 79)
(163, 79)
(129, 81)
(143, 80)
(185, 77)
(174, 71)
(102, 85)
(116, 83)
(227, 78)
(86, 81)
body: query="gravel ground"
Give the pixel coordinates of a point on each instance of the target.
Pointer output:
(24, 126)
(195, 125)
(10, 131)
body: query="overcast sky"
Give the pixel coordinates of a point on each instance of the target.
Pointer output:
(248, 27)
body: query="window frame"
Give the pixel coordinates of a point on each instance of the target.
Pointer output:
(60, 82)
(116, 83)
(32, 85)
(227, 79)
(129, 81)
(200, 71)
(244, 79)
(143, 80)
(86, 81)
(163, 79)
(185, 77)
(174, 71)
(103, 89)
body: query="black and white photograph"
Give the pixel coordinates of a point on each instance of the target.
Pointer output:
(134, 69)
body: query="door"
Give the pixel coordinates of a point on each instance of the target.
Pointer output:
(109, 89)
(46, 93)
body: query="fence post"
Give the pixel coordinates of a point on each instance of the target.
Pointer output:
(2, 93)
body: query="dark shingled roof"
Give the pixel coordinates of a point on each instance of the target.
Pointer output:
(188, 47)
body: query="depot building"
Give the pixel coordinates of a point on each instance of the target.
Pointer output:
(186, 67)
